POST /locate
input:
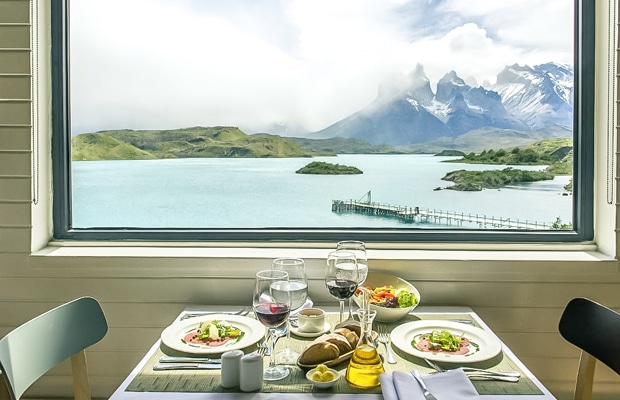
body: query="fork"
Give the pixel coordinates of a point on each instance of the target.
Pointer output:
(243, 311)
(510, 376)
(427, 395)
(263, 347)
(384, 338)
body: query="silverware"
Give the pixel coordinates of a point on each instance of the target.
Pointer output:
(513, 376)
(173, 366)
(171, 359)
(263, 347)
(463, 321)
(491, 377)
(384, 338)
(427, 395)
(244, 311)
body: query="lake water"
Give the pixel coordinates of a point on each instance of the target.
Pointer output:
(258, 193)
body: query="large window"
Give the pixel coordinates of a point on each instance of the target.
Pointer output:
(379, 120)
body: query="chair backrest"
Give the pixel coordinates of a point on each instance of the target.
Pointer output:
(32, 349)
(595, 329)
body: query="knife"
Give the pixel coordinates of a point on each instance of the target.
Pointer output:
(172, 366)
(489, 377)
(172, 359)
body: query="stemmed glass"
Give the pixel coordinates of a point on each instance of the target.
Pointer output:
(359, 249)
(341, 276)
(298, 288)
(272, 307)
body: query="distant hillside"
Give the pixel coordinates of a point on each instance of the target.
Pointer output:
(196, 142)
(343, 146)
(487, 138)
(555, 152)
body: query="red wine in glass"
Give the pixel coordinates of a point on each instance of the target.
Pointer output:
(271, 314)
(341, 289)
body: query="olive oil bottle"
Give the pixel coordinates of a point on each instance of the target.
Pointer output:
(365, 365)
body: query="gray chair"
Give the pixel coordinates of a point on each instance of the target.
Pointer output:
(32, 349)
(595, 329)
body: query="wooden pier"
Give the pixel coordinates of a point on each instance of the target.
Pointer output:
(426, 215)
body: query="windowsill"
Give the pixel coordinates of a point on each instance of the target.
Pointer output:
(463, 252)
(142, 260)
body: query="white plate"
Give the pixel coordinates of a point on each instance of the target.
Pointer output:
(485, 344)
(296, 331)
(172, 336)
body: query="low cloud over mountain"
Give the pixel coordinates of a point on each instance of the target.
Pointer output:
(407, 111)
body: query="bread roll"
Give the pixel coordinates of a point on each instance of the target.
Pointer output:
(319, 352)
(352, 338)
(352, 326)
(342, 331)
(341, 341)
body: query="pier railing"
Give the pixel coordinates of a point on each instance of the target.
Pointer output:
(427, 215)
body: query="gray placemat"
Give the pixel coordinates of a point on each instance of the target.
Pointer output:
(148, 380)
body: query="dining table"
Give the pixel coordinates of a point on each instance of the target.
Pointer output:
(205, 384)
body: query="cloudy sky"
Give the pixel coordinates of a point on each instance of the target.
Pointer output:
(163, 64)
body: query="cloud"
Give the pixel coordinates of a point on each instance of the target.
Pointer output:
(165, 64)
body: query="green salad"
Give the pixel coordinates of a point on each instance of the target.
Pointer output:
(444, 340)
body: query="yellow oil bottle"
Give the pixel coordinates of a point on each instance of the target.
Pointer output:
(365, 365)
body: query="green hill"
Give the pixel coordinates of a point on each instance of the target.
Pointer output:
(93, 146)
(555, 152)
(196, 142)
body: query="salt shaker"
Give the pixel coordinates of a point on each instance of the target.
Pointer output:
(231, 368)
(251, 376)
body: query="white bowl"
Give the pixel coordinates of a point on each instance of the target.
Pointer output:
(323, 384)
(384, 314)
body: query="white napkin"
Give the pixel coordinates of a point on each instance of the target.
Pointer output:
(449, 385)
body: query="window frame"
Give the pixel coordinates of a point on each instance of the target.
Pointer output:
(583, 167)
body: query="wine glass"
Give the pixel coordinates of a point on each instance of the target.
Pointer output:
(272, 307)
(341, 276)
(359, 249)
(298, 288)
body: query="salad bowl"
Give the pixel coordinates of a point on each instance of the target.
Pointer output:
(400, 290)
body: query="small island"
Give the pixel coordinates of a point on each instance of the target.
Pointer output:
(478, 180)
(323, 168)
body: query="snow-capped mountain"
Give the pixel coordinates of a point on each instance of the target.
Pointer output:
(406, 111)
(539, 96)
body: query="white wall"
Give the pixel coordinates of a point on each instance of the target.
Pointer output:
(519, 290)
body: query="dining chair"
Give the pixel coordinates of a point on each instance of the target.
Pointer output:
(594, 329)
(29, 351)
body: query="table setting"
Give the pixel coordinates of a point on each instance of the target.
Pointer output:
(284, 343)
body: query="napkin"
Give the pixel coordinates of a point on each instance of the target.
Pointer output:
(449, 385)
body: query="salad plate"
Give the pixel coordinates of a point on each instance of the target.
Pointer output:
(174, 335)
(481, 346)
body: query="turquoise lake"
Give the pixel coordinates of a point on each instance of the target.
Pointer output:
(266, 192)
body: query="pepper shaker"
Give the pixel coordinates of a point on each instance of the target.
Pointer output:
(251, 377)
(231, 368)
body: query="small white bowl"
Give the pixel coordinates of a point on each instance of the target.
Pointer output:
(323, 384)
(384, 314)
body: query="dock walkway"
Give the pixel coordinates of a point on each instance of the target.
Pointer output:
(426, 215)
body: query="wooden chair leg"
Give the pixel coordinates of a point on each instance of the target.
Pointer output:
(585, 377)
(4, 389)
(81, 386)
